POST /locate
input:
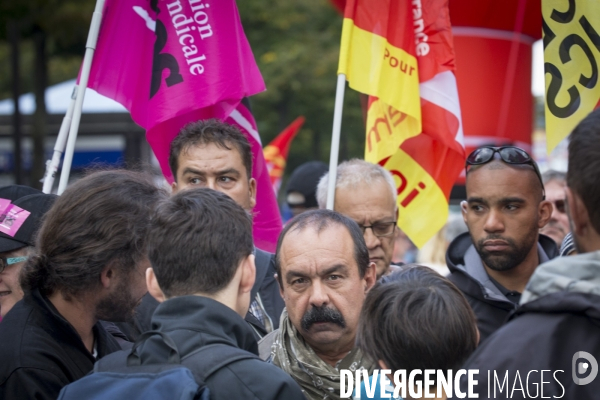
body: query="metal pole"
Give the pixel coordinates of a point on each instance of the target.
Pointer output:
(59, 146)
(335, 139)
(83, 81)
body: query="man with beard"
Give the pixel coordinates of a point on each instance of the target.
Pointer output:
(89, 266)
(504, 211)
(324, 274)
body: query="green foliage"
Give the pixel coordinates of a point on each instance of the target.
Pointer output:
(296, 45)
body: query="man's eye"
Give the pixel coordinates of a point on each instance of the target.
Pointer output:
(195, 181)
(511, 207)
(476, 208)
(334, 277)
(298, 281)
(226, 179)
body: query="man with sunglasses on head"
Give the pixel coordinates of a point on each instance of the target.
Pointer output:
(366, 193)
(504, 211)
(558, 226)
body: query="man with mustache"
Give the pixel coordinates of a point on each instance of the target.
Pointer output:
(504, 211)
(324, 273)
(558, 226)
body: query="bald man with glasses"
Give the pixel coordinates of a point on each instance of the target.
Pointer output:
(366, 193)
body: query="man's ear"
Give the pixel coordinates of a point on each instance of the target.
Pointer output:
(252, 189)
(248, 274)
(153, 287)
(544, 212)
(174, 187)
(108, 275)
(463, 209)
(578, 214)
(370, 276)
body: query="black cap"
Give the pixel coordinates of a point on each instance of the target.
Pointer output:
(37, 205)
(14, 192)
(304, 180)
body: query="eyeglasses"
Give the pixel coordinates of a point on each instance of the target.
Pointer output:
(508, 154)
(5, 262)
(380, 229)
(559, 205)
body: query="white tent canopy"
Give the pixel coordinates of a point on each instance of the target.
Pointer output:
(57, 101)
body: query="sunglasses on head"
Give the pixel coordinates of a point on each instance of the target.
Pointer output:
(508, 154)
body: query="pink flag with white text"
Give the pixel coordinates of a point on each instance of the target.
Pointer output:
(177, 61)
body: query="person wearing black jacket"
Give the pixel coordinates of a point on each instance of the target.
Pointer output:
(204, 291)
(504, 211)
(89, 266)
(218, 156)
(552, 341)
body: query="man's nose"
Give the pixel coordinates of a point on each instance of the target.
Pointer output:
(371, 240)
(494, 222)
(318, 295)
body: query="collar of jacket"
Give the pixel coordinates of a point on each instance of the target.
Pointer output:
(195, 321)
(579, 274)
(466, 266)
(60, 329)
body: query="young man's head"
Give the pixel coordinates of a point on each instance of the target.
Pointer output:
(417, 319)
(366, 193)
(91, 247)
(324, 273)
(200, 243)
(215, 155)
(18, 228)
(505, 206)
(583, 183)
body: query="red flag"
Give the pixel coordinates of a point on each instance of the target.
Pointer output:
(276, 152)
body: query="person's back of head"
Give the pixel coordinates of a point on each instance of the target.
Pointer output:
(583, 183)
(200, 243)
(100, 221)
(417, 319)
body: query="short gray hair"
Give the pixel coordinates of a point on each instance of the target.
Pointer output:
(351, 174)
(553, 175)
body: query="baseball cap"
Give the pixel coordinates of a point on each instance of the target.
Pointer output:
(14, 192)
(302, 186)
(37, 205)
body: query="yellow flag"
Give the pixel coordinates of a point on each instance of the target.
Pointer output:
(571, 58)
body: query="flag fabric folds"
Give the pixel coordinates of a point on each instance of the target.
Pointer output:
(276, 152)
(571, 57)
(401, 54)
(177, 61)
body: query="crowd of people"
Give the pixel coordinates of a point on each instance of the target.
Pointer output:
(117, 276)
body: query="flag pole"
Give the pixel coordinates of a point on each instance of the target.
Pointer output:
(83, 81)
(335, 139)
(59, 146)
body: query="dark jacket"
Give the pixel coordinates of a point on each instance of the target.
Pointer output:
(266, 285)
(559, 316)
(193, 322)
(490, 305)
(41, 352)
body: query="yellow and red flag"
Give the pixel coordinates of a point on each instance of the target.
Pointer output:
(400, 52)
(571, 51)
(276, 152)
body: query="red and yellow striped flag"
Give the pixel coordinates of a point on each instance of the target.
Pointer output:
(401, 53)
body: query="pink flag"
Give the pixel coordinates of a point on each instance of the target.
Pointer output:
(177, 61)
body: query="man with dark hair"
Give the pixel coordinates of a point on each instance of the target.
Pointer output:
(89, 266)
(324, 272)
(555, 332)
(204, 292)
(416, 319)
(504, 211)
(558, 226)
(216, 155)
